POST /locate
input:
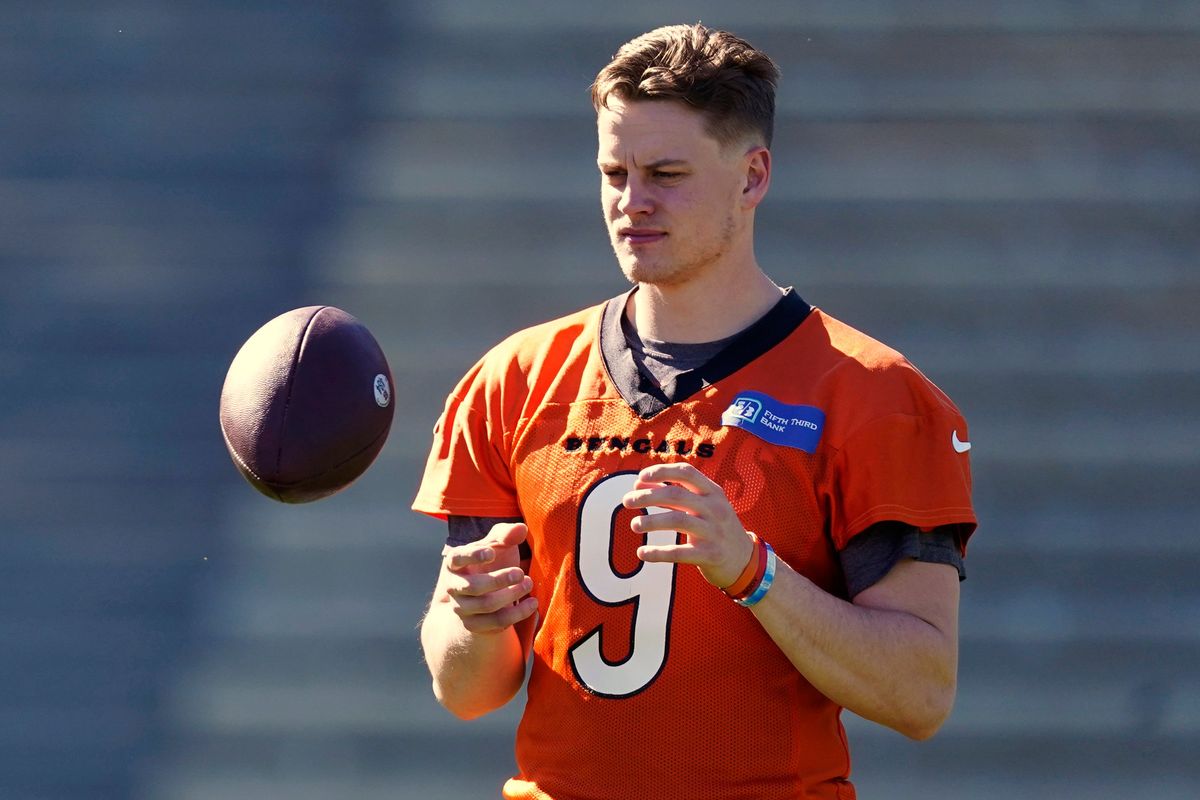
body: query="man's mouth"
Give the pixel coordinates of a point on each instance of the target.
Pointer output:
(641, 235)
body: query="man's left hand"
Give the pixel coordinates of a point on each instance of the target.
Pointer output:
(715, 540)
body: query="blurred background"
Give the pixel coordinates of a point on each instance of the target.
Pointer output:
(1007, 192)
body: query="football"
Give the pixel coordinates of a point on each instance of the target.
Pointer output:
(307, 404)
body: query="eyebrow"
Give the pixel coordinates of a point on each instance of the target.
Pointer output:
(662, 162)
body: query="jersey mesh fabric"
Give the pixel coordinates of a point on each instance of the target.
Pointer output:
(684, 695)
(721, 673)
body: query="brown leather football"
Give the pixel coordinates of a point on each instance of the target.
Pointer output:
(307, 404)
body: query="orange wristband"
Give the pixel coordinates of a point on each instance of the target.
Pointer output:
(746, 578)
(759, 573)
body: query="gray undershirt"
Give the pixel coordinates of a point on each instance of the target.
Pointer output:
(664, 361)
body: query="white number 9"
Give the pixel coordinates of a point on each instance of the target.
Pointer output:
(651, 588)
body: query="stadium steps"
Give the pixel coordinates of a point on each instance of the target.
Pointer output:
(951, 160)
(831, 72)
(159, 165)
(401, 245)
(1021, 16)
(1007, 193)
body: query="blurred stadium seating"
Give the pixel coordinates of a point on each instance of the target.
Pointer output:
(1009, 193)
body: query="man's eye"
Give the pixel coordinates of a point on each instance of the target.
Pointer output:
(667, 175)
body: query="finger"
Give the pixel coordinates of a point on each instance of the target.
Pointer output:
(681, 473)
(670, 521)
(480, 583)
(469, 555)
(672, 553)
(676, 497)
(503, 534)
(503, 619)
(506, 534)
(492, 602)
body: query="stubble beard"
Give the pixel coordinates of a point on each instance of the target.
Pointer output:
(668, 271)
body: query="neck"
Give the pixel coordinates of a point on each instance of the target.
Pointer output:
(702, 310)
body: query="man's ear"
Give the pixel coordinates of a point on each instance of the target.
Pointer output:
(757, 163)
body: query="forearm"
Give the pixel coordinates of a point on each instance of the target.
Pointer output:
(473, 673)
(889, 666)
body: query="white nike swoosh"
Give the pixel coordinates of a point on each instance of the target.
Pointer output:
(959, 446)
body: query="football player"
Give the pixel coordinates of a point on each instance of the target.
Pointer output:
(708, 513)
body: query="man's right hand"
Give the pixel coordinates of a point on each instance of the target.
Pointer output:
(485, 584)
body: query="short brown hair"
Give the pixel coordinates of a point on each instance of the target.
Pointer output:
(717, 73)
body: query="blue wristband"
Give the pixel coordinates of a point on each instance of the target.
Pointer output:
(768, 578)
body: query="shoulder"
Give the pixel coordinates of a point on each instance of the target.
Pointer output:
(529, 356)
(848, 347)
(546, 341)
(864, 380)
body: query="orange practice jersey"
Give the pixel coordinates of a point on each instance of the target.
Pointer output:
(646, 680)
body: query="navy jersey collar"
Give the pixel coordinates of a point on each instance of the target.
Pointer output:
(648, 399)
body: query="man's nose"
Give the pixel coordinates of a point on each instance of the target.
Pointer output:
(635, 199)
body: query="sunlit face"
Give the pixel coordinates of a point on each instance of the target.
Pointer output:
(672, 195)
